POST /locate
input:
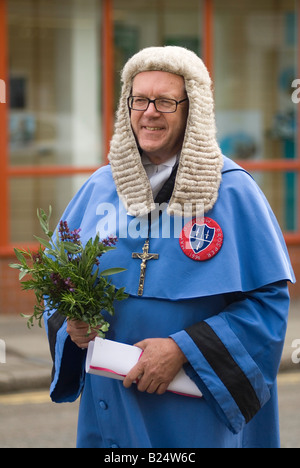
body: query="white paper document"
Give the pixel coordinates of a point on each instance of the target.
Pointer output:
(112, 359)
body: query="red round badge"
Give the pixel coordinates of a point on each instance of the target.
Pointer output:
(201, 239)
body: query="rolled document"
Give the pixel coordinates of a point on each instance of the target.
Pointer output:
(112, 359)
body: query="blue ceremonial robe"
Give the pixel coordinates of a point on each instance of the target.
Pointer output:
(228, 314)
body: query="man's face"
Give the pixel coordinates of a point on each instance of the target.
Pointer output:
(159, 135)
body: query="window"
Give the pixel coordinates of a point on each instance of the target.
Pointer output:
(64, 61)
(255, 64)
(140, 23)
(54, 121)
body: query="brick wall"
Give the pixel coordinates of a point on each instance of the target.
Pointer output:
(13, 300)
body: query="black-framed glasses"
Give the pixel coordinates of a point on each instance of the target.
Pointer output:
(164, 105)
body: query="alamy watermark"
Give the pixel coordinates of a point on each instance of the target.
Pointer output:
(2, 92)
(2, 352)
(296, 353)
(113, 220)
(296, 93)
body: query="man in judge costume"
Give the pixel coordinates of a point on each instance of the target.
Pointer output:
(212, 298)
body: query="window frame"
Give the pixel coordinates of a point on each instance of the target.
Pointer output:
(8, 171)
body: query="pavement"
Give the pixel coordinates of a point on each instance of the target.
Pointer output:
(28, 362)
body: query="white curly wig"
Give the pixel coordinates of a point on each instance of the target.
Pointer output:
(199, 172)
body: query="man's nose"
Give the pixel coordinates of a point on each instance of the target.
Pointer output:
(151, 109)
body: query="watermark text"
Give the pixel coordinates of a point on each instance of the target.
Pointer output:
(296, 353)
(2, 352)
(296, 93)
(113, 220)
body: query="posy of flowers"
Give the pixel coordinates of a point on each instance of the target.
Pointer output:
(65, 276)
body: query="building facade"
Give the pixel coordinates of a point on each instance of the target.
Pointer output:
(60, 65)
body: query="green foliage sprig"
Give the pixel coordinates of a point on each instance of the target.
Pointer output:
(65, 276)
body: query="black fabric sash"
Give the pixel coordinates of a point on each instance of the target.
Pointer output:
(166, 191)
(164, 194)
(226, 368)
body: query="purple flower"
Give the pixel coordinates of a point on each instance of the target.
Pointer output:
(69, 285)
(110, 241)
(75, 236)
(62, 284)
(37, 258)
(68, 236)
(55, 278)
(64, 231)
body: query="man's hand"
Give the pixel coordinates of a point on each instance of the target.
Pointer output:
(78, 333)
(160, 362)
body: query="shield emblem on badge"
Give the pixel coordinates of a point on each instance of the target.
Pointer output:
(201, 237)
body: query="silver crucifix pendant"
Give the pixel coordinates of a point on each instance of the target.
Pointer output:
(145, 256)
